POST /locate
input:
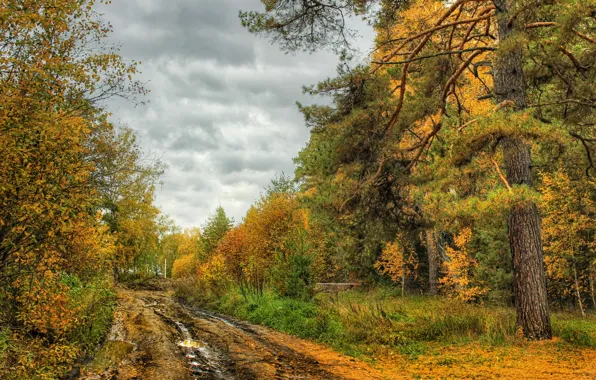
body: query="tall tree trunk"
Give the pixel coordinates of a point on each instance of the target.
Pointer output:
(591, 277)
(434, 260)
(524, 220)
(115, 272)
(577, 292)
(403, 280)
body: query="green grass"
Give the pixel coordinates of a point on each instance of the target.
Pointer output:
(357, 322)
(580, 332)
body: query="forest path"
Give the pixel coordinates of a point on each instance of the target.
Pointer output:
(156, 337)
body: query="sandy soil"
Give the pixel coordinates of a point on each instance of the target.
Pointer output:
(155, 337)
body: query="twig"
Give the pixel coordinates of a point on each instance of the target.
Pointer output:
(466, 124)
(501, 174)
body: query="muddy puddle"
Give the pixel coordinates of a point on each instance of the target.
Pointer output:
(155, 337)
(203, 361)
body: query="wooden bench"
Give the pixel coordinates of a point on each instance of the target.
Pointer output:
(336, 286)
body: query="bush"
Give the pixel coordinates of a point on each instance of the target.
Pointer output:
(95, 303)
(184, 266)
(25, 355)
(213, 277)
(292, 273)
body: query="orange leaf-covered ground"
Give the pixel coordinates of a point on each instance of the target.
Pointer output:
(532, 360)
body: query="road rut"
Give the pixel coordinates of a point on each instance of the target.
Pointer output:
(156, 337)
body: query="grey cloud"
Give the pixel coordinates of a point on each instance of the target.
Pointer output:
(222, 103)
(206, 29)
(192, 141)
(235, 162)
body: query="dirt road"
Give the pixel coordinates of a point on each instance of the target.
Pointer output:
(156, 337)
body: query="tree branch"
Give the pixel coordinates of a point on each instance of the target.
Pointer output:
(503, 178)
(482, 48)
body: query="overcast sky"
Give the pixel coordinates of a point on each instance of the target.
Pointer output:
(222, 103)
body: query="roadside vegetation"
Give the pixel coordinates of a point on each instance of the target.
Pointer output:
(381, 326)
(266, 269)
(452, 175)
(76, 191)
(366, 322)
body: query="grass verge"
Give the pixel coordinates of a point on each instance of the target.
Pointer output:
(379, 321)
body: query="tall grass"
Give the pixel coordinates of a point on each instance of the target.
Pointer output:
(362, 321)
(379, 318)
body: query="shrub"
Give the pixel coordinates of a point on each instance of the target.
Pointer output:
(213, 276)
(184, 266)
(24, 355)
(292, 273)
(95, 303)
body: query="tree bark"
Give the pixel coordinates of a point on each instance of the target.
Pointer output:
(434, 260)
(524, 219)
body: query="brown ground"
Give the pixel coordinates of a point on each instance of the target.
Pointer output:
(148, 326)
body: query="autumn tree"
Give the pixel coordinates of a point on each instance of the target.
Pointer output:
(215, 229)
(458, 269)
(184, 267)
(50, 79)
(398, 261)
(268, 242)
(268, 224)
(569, 209)
(233, 248)
(55, 70)
(180, 251)
(540, 55)
(126, 178)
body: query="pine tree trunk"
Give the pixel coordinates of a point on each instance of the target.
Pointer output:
(524, 219)
(434, 260)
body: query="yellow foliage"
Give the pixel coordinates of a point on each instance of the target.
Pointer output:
(397, 42)
(397, 260)
(214, 274)
(457, 281)
(53, 71)
(233, 248)
(268, 226)
(184, 266)
(567, 227)
(189, 242)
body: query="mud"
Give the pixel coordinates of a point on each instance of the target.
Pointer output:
(156, 337)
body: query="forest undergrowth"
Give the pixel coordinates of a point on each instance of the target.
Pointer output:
(379, 322)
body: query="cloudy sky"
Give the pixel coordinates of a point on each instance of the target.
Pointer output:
(221, 110)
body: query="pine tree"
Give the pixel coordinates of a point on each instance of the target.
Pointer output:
(215, 229)
(438, 56)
